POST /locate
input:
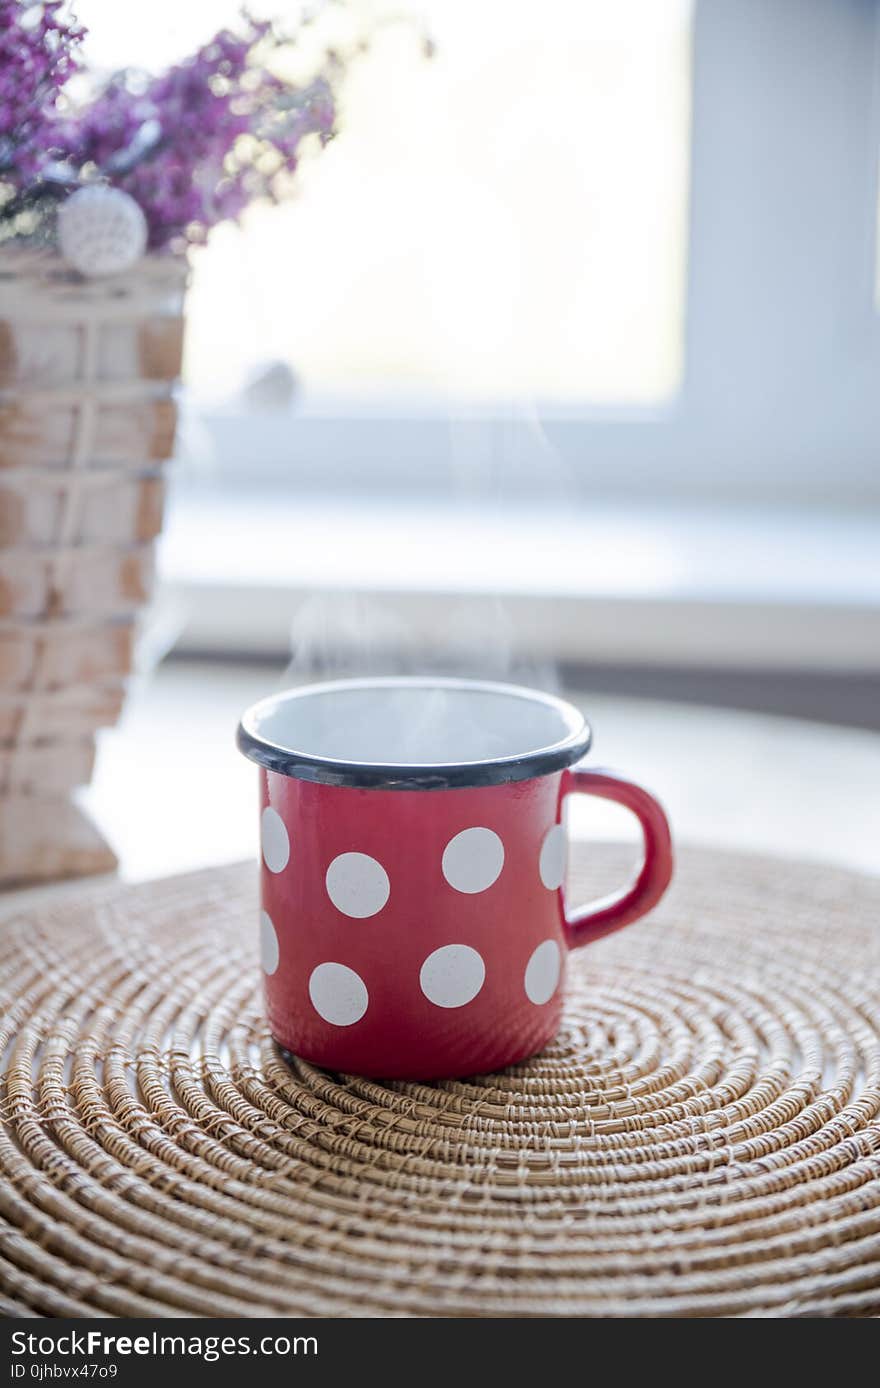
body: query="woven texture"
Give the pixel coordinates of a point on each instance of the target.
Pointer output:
(703, 1138)
(88, 369)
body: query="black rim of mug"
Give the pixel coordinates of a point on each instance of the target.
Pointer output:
(492, 771)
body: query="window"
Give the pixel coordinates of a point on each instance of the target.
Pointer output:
(617, 259)
(506, 220)
(639, 240)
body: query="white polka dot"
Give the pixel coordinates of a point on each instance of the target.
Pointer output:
(542, 972)
(338, 994)
(452, 975)
(357, 885)
(268, 944)
(276, 844)
(551, 863)
(473, 860)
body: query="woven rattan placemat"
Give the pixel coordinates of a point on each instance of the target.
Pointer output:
(703, 1137)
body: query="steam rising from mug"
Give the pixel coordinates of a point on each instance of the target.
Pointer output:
(494, 462)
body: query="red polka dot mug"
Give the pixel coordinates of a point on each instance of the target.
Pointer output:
(413, 920)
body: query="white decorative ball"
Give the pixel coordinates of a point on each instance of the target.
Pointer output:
(101, 230)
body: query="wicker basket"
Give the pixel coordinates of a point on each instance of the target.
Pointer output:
(87, 419)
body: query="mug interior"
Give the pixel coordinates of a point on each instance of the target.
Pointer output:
(413, 722)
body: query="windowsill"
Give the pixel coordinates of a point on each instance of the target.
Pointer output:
(610, 582)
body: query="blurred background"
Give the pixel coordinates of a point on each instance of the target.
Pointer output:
(560, 366)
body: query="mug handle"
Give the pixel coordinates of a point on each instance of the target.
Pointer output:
(589, 923)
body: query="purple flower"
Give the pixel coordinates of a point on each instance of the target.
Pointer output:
(38, 53)
(193, 145)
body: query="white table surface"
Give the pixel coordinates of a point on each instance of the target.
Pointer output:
(171, 791)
